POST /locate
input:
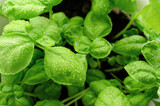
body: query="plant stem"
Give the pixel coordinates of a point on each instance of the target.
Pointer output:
(74, 96)
(113, 69)
(74, 100)
(29, 94)
(127, 26)
(41, 47)
(50, 13)
(114, 76)
(76, 103)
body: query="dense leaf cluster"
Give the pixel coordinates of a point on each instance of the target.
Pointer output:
(36, 63)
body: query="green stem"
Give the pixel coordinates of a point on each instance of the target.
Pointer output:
(114, 76)
(39, 46)
(50, 13)
(76, 103)
(29, 94)
(76, 99)
(127, 26)
(113, 69)
(74, 96)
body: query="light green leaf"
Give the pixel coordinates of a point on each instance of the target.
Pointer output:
(77, 20)
(63, 67)
(151, 52)
(101, 48)
(151, 16)
(141, 72)
(35, 74)
(26, 9)
(17, 26)
(129, 6)
(116, 83)
(16, 52)
(49, 103)
(97, 26)
(82, 44)
(51, 3)
(111, 96)
(130, 45)
(44, 31)
(133, 85)
(60, 19)
(102, 7)
(94, 75)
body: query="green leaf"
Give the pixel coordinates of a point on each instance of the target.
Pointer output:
(139, 99)
(60, 19)
(35, 74)
(116, 83)
(130, 45)
(19, 102)
(94, 75)
(77, 20)
(44, 31)
(92, 62)
(101, 48)
(11, 79)
(63, 67)
(49, 103)
(129, 6)
(16, 26)
(111, 96)
(26, 9)
(102, 7)
(82, 44)
(98, 86)
(73, 90)
(48, 90)
(133, 85)
(151, 53)
(151, 16)
(89, 98)
(51, 3)
(16, 52)
(141, 72)
(111, 60)
(131, 32)
(97, 26)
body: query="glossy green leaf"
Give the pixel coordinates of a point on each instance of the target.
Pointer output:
(48, 90)
(97, 26)
(94, 75)
(35, 74)
(16, 52)
(63, 67)
(11, 79)
(60, 19)
(89, 98)
(111, 96)
(49, 103)
(82, 44)
(44, 31)
(18, 26)
(98, 86)
(100, 48)
(26, 9)
(130, 45)
(102, 7)
(141, 72)
(129, 6)
(116, 83)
